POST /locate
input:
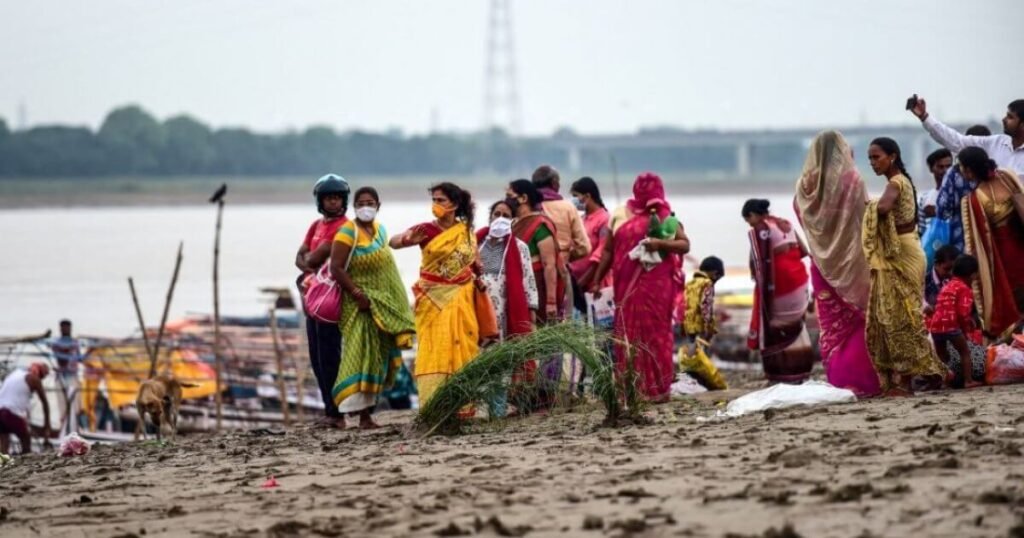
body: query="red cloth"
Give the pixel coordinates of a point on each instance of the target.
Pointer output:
(953, 309)
(644, 306)
(790, 271)
(431, 230)
(524, 229)
(774, 274)
(323, 231)
(1004, 249)
(649, 196)
(517, 307)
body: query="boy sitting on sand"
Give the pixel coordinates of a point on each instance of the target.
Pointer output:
(953, 319)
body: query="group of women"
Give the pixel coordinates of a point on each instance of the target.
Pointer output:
(868, 267)
(515, 260)
(867, 276)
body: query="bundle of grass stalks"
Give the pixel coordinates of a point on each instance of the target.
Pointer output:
(488, 376)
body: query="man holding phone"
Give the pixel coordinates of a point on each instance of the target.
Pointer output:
(1007, 149)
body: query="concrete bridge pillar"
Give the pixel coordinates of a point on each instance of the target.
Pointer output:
(915, 160)
(743, 155)
(573, 159)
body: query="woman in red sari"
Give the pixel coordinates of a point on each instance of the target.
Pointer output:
(994, 234)
(780, 295)
(647, 279)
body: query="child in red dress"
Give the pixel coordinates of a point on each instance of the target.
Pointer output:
(953, 319)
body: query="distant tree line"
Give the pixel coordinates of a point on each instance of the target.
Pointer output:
(131, 142)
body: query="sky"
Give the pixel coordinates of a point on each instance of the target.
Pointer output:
(596, 66)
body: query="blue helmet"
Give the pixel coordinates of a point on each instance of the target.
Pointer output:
(331, 184)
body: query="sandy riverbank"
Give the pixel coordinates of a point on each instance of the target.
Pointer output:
(942, 464)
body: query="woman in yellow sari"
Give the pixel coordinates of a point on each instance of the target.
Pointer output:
(446, 324)
(896, 336)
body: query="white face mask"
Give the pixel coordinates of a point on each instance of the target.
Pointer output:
(500, 227)
(366, 213)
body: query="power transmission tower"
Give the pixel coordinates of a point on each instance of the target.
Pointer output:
(501, 87)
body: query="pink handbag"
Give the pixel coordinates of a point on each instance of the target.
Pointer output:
(323, 294)
(323, 297)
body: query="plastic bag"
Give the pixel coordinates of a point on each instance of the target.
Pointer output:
(1004, 365)
(73, 445)
(935, 237)
(695, 362)
(782, 396)
(601, 308)
(686, 385)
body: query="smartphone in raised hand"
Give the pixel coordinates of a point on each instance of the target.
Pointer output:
(912, 102)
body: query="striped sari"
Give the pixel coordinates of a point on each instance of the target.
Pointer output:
(371, 357)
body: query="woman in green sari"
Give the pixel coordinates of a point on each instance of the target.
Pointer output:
(375, 315)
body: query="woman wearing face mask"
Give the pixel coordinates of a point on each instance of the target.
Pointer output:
(508, 277)
(534, 228)
(587, 198)
(445, 308)
(507, 273)
(375, 315)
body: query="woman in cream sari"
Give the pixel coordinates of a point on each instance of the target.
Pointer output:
(896, 336)
(446, 324)
(830, 200)
(994, 234)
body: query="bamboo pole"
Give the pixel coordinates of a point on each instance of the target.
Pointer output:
(279, 358)
(142, 324)
(300, 369)
(218, 198)
(167, 308)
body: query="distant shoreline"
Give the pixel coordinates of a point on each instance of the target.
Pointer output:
(148, 192)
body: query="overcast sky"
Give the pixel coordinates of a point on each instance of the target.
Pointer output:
(594, 65)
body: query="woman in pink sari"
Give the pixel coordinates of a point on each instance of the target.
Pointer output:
(830, 201)
(647, 252)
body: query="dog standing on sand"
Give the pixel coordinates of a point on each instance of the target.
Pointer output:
(159, 397)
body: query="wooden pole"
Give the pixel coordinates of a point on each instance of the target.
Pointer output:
(218, 358)
(300, 369)
(167, 308)
(142, 324)
(279, 358)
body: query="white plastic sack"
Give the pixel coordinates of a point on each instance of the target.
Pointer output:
(782, 396)
(686, 385)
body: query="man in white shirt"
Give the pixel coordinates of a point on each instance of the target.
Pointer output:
(15, 401)
(1007, 150)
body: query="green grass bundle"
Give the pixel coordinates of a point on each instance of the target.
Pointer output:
(488, 375)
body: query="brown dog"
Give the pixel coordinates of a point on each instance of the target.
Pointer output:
(160, 397)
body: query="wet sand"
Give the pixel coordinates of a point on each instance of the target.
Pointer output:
(941, 464)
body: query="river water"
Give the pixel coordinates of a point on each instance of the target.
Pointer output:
(74, 262)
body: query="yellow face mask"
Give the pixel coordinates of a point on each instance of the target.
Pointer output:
(440, 210)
